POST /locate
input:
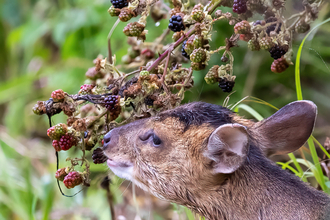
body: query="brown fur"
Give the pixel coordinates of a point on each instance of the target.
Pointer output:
(179, 171)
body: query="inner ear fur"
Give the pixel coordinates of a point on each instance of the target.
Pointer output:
(286, 130)
(227, 147)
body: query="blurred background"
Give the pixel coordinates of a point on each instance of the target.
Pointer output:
(49, 44)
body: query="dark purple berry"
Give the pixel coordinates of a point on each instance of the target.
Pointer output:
(176, 23)
(98, 156)
(119, 3)
(226, 85)
(183, 52)
(112, 103)
(239, 6)
(278, 51)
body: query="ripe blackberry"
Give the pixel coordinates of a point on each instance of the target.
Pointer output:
(86, 89)
(67, 141)
(119, 3)
(72, 179)
(98, 156)
(273, 26)
(60, 174)
(57, 131)
(56, 145)
(58, 95)
(242, 27)
(226, 85)
(278, 51)
(239, 6)
(183, 52)
(279, 65)
(113, 105)
(176, 23)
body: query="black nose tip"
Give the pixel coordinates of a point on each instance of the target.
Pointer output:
(107, 138)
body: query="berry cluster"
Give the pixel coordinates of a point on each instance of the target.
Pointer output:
(239, 6)
(119, 3)
(73, 179)
(277, 51)
(176, 23)
(98, 156)
(112, 103)
(226, 85)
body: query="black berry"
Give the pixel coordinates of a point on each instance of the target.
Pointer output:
(278, 51)
(111, 102)
(98, 156)
(176, 23)
(184, 53)
(226, 85)
(119, 3)
(239, 6)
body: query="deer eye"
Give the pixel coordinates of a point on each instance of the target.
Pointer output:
(156, 140)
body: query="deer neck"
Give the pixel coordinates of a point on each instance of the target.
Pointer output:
(260, 190)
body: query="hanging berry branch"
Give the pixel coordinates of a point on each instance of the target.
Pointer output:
(112, 97)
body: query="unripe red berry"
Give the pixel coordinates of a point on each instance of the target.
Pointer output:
(58, 95)
(242, 27)
(67, 141)
(279, 65)
(72, 179)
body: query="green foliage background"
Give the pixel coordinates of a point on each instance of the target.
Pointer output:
(49, 44)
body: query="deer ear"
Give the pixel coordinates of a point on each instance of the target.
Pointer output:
(227, 147)
(286, 130)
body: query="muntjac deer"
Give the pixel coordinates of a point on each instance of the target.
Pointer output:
(205, 157)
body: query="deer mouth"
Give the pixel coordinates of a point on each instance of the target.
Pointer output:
(121, 169)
